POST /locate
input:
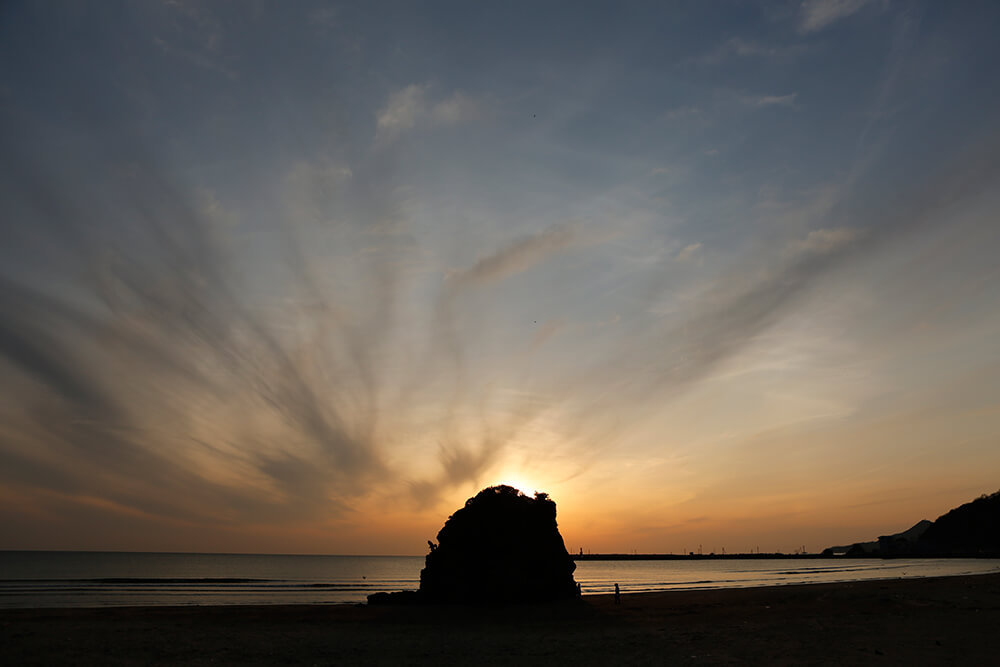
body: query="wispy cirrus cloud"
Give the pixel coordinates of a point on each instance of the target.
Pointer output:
(519, 255)
(411, 106)
(819, 14)
(192, 33)
(458, 108)
(770, 100)
(401, 112)
(688, 252)
(823, 241)
(738, 47)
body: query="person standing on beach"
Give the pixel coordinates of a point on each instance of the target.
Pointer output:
(618, 595)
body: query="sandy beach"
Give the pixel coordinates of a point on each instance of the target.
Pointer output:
(940, 621)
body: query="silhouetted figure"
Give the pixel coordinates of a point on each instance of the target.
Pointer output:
(579, 590)
(618, 595)
(503, 546)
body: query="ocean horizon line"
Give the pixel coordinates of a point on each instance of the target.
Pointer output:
(208, 553)
(608, 556)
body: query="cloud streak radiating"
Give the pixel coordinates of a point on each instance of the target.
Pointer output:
(300, 278)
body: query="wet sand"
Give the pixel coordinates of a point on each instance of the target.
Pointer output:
(942, 621)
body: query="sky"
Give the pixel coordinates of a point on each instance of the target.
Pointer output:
(302, 277)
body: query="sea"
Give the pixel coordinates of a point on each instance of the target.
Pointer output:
(35, 579)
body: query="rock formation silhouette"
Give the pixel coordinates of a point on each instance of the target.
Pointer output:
(503, 546)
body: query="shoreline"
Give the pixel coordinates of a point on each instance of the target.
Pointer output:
(587, 595)
(929, 620)
(782, 556)
(625, 595)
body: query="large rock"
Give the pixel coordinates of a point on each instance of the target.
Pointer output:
(503, 546)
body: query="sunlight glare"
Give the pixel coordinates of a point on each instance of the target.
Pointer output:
(518, 482)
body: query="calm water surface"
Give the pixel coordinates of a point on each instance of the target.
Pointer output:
(96, 579)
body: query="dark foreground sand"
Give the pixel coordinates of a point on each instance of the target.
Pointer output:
(946, 621)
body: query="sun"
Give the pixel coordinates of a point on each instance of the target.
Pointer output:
(520, 483)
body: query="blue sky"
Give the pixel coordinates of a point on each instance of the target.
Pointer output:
(306, 277)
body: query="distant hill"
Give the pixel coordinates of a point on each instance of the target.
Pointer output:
(902, 540)
(972, 529)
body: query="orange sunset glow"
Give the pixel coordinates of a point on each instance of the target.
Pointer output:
(304, 279)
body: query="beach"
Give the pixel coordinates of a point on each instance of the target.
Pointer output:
(931, 621)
